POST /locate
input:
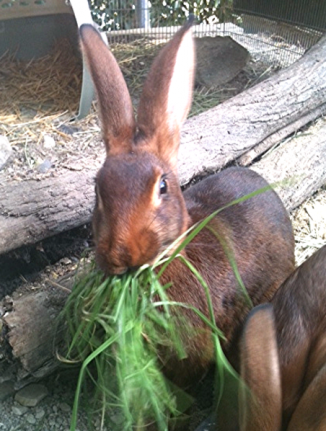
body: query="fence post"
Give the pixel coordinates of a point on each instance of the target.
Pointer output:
(143, 18)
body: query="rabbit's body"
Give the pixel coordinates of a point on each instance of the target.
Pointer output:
(140, 209)
(257, 252)
(300, 320)
(288, 376)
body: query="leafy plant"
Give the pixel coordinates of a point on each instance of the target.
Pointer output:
(122, 14)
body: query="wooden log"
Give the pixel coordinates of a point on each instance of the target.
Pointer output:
(33, 330)
(218, 136)
(33, 210)
(298, 166)
(29, 323)
(247, 158)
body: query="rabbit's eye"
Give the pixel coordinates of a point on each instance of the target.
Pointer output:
(163, 186)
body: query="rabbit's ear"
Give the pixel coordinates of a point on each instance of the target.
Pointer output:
(118, 123)
(260, 397)
(167, 96)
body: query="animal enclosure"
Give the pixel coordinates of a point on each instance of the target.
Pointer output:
(47, 187)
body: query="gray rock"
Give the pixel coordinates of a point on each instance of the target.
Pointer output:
(65, 261)
(48, 142)
(30, 419)
(39, 414)
(6, 390)
(44, 166)
(65, 407)
(19, 410)
(219, 59)
(68, 130)
(31, 395)
(5, 150)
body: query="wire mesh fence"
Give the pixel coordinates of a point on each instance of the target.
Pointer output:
(277, 32)
(307, 13)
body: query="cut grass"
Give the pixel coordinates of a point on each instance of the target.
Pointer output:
(117, 325)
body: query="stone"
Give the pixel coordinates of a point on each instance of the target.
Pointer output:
(65, 261)
(5, 150)
(48, 142)
(39, 414)
(30, 419)
(65, 407)
(68, 130)
(31, 395)
(6, 390)
(44, 166)
(19, 410)
(219, 59)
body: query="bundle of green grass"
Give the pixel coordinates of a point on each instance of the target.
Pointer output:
(118, 326)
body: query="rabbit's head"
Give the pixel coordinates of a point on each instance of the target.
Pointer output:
(139, 205)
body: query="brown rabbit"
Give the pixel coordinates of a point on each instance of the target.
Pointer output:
(140, 209)
(283, 355)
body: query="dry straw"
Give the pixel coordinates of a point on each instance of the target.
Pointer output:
(47, 85)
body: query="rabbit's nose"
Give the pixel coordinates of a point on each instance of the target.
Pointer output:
(116, 271)
(122, 270)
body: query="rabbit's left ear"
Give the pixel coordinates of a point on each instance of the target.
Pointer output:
(260, 398)
(116, 111)
(167, 96)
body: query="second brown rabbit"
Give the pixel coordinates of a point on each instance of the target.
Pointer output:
(141, 210)
(283, 355)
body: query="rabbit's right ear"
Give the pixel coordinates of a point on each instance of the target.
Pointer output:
(260, 397)
(116, 111)
(167, 96)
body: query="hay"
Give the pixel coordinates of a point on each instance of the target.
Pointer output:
(135, 60)
(43, 93)
(40, 87)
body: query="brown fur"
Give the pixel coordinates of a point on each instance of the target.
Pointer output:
(259, 363)
(300, 322)
(132, 227)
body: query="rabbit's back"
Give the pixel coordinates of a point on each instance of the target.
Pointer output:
(258, 230)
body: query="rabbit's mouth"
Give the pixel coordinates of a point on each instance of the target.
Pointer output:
(118, 270)
(120, 259)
